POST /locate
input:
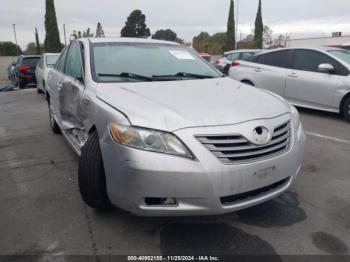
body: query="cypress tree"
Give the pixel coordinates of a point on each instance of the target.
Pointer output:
(99, 30)
(52, 40)
(259, 29)
(37, 42)
(135, 26)
(231, 34)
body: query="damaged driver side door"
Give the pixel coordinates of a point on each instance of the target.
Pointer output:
(70, 97)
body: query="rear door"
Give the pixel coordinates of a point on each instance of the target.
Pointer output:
(54, 83)
(271, 69)
(305, 85)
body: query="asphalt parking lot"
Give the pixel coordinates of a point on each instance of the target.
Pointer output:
(41, 211)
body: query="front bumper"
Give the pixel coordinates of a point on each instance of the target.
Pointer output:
(201, 187)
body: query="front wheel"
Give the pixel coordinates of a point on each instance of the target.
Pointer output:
(91, 175)
(21, 85)
(346, 109)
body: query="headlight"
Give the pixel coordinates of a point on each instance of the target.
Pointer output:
(295, 116)
(149, 140)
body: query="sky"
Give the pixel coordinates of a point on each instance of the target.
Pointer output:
(297, 18)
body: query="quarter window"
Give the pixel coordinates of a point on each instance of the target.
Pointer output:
(73, 65)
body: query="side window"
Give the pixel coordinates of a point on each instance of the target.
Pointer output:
(233, 56)
(245, 55)
(74, 64)
(308, 60)
(41, 62)
(260, 59)
(62, 60)
(278, 59)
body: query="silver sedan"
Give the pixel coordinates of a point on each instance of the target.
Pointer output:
(161, 132)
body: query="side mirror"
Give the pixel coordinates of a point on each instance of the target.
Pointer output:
(326, 68)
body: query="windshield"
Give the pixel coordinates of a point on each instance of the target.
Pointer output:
(31, 61)
(121, 62)
(51, 59)
(341, 54)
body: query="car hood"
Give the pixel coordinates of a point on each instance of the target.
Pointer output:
(174, 105)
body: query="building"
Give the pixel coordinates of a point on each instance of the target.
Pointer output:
(337, 40)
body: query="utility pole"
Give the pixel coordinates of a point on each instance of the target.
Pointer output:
(64, 32)
(14, 30)
(236, 31)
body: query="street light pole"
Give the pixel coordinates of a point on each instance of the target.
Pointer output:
(236, 31)
(14, 30)
(64, 32)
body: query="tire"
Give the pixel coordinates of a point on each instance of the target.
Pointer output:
(39, 91)
(346, 109)
(53, 124)
(21, 85)
(91, 175)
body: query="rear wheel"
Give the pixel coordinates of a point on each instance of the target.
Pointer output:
(53, 124)
(91, 175)
(346, 109)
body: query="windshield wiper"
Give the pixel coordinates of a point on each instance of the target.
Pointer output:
(128, 75)
(185, 74)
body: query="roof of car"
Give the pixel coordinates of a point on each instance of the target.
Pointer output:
(129, 40)
(320, 48)
(29, 56)
(242, 50)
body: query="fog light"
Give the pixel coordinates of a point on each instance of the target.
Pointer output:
(158, 201)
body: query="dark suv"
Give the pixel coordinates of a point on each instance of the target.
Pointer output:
(25, 70)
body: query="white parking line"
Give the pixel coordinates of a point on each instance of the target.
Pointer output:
(335, 139)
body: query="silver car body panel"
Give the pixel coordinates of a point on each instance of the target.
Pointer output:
(301, 88)
(187, 109)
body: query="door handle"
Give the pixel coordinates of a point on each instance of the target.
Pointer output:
(293, 75)
(257, 70)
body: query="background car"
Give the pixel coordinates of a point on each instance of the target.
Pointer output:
(316, 78)
(203, 55)
(10, 71)
(235, 55)
(46, 62)
(25, 70)
(160, 132)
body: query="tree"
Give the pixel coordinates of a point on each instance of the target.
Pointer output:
(99, 31)
(279, 42)
(259, 29)
(267, 36)
(31, 49)
(52, 40)
(38, 52)
(231, 38)
(135, 26)
(82, 34)
(167, 34)
(246, 43)
(200, 42)
(217, 43)
(9, 49)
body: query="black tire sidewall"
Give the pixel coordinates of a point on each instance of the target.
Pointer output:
(91, 175)
(345, 109)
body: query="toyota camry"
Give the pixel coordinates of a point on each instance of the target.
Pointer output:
(161, 132)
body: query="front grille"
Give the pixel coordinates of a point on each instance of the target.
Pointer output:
(235, 148)
(230, 200)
